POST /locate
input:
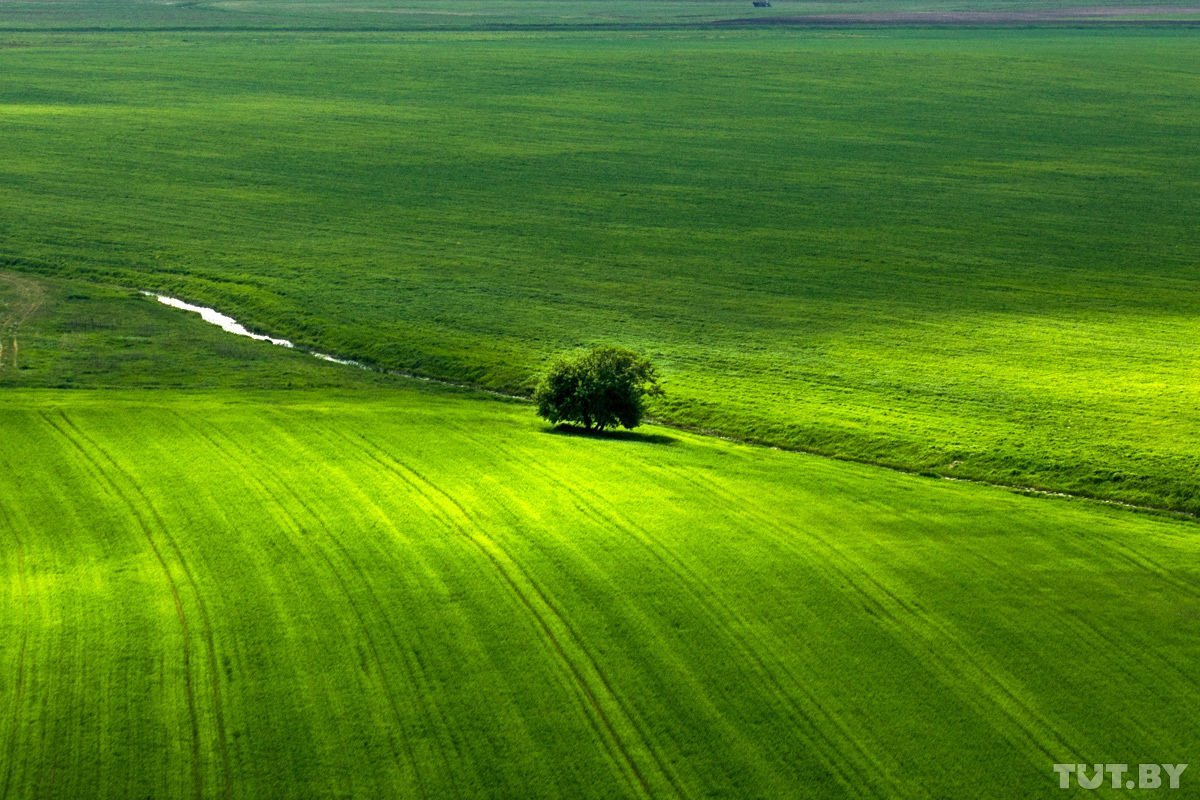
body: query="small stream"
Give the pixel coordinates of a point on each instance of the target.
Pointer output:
(231, 325)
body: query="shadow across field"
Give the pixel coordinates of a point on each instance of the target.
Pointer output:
(619, 436)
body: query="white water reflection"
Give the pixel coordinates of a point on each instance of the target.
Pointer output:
(226, 323)
(348, 362)
(231, 325)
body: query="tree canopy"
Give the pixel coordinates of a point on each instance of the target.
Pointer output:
(600, 388)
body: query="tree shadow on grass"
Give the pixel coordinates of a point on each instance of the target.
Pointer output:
(617, 436)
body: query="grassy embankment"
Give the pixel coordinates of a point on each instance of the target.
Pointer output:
(381, 589)
(960, 252)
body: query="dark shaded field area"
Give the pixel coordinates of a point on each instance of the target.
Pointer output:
(964, 252)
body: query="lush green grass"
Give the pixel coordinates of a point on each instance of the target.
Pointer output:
(230, 570)
(74, 334)
(378, 588)
(386, 15)
(301, 595)
(967, 253)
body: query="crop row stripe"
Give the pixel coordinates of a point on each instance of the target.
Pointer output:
(823, 731)
(231, 450)
(562, 638)
(22, 647)
(939, 646)
(71, 434)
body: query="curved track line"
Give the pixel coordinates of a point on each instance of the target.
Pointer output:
(414, 665)
(902, 614)
(296, 529)
(19, 678)
(546, 615)
(1075, 623)
(813, 732)
(594, 714)
(189, 680)
(206, 631)
(1127, 554)
(1182, 683)
(919, 632)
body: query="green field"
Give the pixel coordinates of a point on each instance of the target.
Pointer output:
(964, 252)
(231, 570)
(375, 589)
(531, 15)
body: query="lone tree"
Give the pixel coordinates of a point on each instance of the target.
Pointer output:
(598, 389)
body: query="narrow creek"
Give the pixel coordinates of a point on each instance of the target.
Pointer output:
(231, 325)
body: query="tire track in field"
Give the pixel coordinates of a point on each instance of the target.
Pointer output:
(935, 643)
(831, 753)
(417, 671)
(603, 730)
(1130, 556)
(206, 630)
(1091, 633)
(1031, 731)
(370, 453)
(1178, 683)
(1183, 683)
(235, 453)
(185, 628)
(597, 690)
(22, 648)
